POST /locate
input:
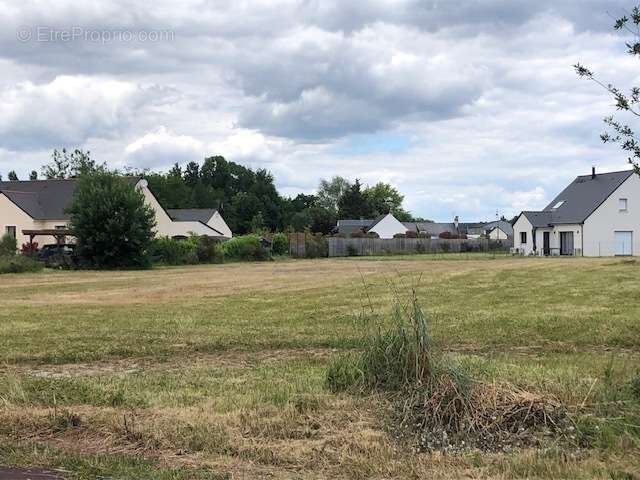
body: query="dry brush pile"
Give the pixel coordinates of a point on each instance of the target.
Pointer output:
(437, 404)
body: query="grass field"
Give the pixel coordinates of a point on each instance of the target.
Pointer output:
(219, 371)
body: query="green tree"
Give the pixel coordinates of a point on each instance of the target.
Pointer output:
(354, 204)
(384, 199)
(330, 192)
(620, 132)
(111, 222)
(13, 176)
(66, 164)
(33, 175)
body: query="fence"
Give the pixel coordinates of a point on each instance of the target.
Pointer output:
(343, 247)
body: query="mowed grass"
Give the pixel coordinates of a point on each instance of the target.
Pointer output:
(219, 371)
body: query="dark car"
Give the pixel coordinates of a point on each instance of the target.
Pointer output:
(58, 256)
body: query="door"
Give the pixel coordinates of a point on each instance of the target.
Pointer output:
(624, 243)
(546, 243)
(566, 243)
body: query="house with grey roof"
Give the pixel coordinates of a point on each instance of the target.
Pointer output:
(595, 215)
(386, 226)
(39, 205)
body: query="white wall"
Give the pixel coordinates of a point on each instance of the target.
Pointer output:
(599, 228)
(220, 225)
(498, 234)
(11, 215)
(523, 225)
(388, 227)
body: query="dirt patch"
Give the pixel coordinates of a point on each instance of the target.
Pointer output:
(128, 366)
(13, 473)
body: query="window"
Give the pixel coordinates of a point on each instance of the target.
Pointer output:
(523, 237)
(60, 227)
(622, 205)
(11, 231)
(558, 205)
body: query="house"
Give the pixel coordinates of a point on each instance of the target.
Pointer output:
(39, 205)
(596, 215)
(386, 226)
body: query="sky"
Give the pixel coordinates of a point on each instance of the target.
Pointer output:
(467, 107)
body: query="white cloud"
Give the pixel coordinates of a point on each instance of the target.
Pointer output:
(163, 148)
(67, 111)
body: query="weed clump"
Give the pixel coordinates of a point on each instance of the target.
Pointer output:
(436, 403)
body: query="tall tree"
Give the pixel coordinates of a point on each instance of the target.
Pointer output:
(353, 204)
(13, 176)
(330, 192)
(33, 175)
(619, 131)
(66, 164)
(384, 199)
(112, 223)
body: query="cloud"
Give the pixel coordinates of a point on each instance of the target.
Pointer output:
(466, 107)
(163, 148)
(68, 111)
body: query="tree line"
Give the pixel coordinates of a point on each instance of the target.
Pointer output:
(247, 199)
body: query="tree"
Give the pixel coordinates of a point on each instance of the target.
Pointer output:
(13, 176)
(353, 203)
(70, 164)
(33, 175)
(384, 199)
(112, 223)
(330, 192)
(620, 132)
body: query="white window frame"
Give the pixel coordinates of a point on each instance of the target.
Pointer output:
(623, 204)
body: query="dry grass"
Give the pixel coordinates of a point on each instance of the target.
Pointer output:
(218, 371)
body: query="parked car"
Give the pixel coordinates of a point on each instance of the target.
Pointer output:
(58, 256)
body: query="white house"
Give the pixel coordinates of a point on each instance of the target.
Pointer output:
(40, 205)
(596, 215)
(386, 226)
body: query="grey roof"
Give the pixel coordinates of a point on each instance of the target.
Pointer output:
(191, 214)
(579, 200)
(505, 226)
(348, 227)
(435, 228)
(376, 221)
(44, 199)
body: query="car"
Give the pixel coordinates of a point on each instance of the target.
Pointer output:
(58, 256)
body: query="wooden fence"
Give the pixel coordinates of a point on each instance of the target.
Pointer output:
(343, 247)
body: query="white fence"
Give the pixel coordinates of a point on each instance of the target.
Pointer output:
(343, 247)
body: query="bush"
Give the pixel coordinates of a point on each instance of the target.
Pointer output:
(445, 235)
(316, 245)
(169, 251)
(280, 244)
(29, 249)
(400, 235)
(352, 251)
(209, 250)
(112, 223)
(19, 264)
(358, 234)
(412, 234)
(246, 247)
(8, 246)
(372, 235)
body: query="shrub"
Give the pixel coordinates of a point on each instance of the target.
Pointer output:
(412, 234)
(209, 250)
(19, 264)
(169, 251)
(352, 251)
(246, 247)
(8, 246)
(29, 249)
(316, 245)
(280, 244)
(112, 223)
(400, 235)
(445, 235)
(372, 235)
(358, 234)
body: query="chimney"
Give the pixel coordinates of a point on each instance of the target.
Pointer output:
(455, 221)
(593, 172)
